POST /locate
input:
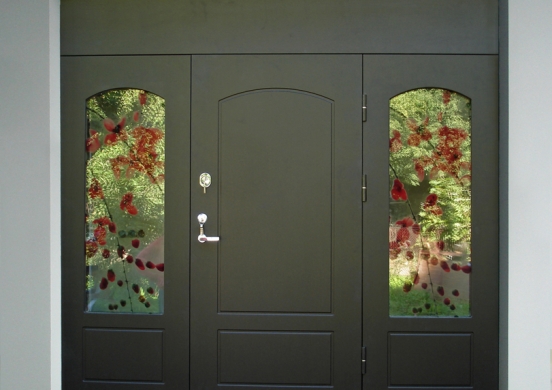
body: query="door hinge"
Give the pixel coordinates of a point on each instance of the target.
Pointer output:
(364, 105)
(364, 188)
(363, 361)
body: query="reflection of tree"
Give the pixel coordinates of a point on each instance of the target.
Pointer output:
(430, 172)
(125, 200)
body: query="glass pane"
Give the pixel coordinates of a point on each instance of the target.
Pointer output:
(429, 204)
(125, 203)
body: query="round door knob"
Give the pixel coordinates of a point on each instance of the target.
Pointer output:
(202, 218)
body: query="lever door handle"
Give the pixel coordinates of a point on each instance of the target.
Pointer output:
(202, 218)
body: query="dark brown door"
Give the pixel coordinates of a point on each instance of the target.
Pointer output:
(277, 301)
(431, 216)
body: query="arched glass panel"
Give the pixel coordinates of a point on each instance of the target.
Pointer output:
(429, 204)
(125, 204)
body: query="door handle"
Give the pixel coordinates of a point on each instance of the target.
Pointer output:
(202, 218)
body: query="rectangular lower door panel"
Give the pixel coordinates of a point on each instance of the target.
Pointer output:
(127, 355)
(422, 359)
(275, 358)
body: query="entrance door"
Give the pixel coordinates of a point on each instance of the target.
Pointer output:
(277, 301)
(287, 274)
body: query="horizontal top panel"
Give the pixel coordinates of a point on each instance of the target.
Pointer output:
(105, 27)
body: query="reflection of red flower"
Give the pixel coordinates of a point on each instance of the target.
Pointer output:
(103, 284)
(91, 248)
(135, 243)
(445, 266)
(106, 253)
(407, 287)
(160, 267)
(112, 227)
(414, 139)
(403, 234)
(405, 222)
(92, 143)
(100, 235)
(126, 204)
(150, 265)
(395, 143)
(140, 264)
(114, 130)
(419, 168)
(142, 97)
(431, 200)
(136, 116)
(446, 97)
(416, 228)
(95, 190)
(441, 290)
(398, 191)
(110, 275)
(430, 205)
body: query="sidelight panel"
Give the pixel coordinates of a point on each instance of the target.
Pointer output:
(125, 206)
(429, 203)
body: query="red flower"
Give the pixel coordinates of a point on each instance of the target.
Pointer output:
(405, 222)
(110, 275)
(136, 288)
(112, 227)
(150, 290)
(160, 267)
(91, 248)
(106, 253)
(150, 265)
(120, 283)
(424, 286)
(455, 267)
(403, 234)
(114, 130)
(447, 301)
(416, 279)
(103, 284)
(395, 143)
(135, 243)
(441, 290)
(416, 228)
(410, 255)
(414, 139)
(407, 287)
(431, 200)
(444, 266)
(446, 97)
(129, 259)
(100, 234)
(136, 116)
(398, 191)
(92, 143)
(434, 260)
(466, 269)
(455, 293)
(126, 204)
(440, 245)
(140, 264)
(419, 170)
(95, 190)
(142, 97)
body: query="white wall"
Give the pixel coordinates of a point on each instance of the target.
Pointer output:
(29, 237)
(29, 194)
(530, 182)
